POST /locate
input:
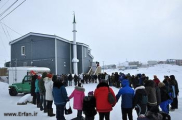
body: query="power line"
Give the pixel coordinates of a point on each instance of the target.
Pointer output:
(8, 8)
(4, 5)
(4, 30)
(3, 44)
(8, 33)
(13, 10)
(2, 40)
(10, 28)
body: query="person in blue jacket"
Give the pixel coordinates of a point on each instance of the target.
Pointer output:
(60, 99)
(127, 94)
(37, 91)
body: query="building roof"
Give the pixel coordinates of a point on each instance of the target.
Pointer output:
(40, 35)
(45, 35)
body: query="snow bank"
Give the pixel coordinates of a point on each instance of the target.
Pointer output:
(23, 100)
(3, 88)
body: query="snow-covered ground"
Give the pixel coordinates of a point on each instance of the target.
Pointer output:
(8, 104)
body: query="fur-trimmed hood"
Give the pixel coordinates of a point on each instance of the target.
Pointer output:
(80, 88)
(139, 87)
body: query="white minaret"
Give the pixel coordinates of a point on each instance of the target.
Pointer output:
(74, 60)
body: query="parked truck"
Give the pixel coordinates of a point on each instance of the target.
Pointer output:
(20, 78)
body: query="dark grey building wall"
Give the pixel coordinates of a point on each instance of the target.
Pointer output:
(39, 51)
(79, 56)
(63, 57)
(86, 60)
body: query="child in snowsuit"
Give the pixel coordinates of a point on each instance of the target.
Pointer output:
(89, 104)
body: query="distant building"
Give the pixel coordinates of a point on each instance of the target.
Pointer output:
(137, 63)
(132, 67)
(179, 62)
(112, 66)
(161, 62)
(151, 63)
(171, 61)
(3, 72)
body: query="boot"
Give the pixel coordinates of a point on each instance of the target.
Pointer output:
(41, 108)
(45, 110)
(50, 113)
(38, 105)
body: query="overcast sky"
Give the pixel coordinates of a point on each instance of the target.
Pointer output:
(115, 30)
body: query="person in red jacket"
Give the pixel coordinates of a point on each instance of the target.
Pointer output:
(102, 104)
(156, 80)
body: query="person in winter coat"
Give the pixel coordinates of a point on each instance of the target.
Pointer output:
(70, 79)
(34, 77)
(60, 99)
(156, 80)
(49, 97)
(127, 94)
(140, 100)
(89, 104)
(78, 95)
(75, 79)
(174, 83)
(151, 92)
(37, 91)
(54, 78)
(95, 78)
(112, 79)
(168, 85)
(42, 93)
(117, 80)
(165, 98)
(102, 104)
(153, 114)
(158, 94)
(135, 81)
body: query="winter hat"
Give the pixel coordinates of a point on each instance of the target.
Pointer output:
(44, 74)
(39, 77)
(91, 93)
(79, 85)
(161, 84)
(49, 75)
(155, 76)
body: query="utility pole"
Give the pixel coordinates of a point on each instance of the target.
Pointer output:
(103, 66)
(15, 69)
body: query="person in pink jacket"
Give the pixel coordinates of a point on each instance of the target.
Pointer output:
(78, 95)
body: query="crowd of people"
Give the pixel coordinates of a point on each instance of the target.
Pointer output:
(137, 92)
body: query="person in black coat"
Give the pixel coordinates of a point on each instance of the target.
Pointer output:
(140, 100)
(54, 78)
(34, 77)
(165, 98)
(75, 79)
(70, 79)
(173, 81)
(89, 104)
